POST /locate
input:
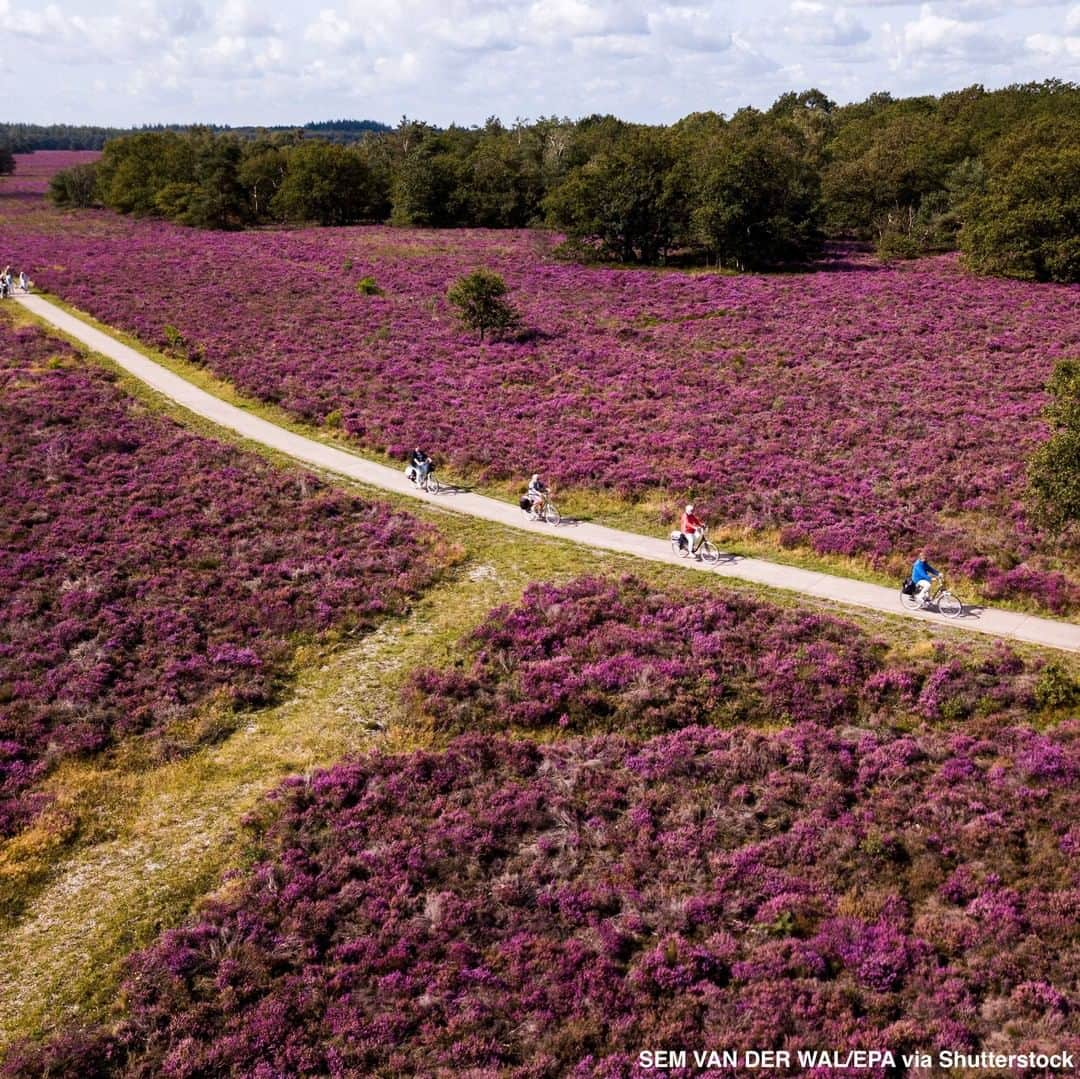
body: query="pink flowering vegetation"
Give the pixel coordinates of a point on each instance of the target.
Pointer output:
(146, 571)
(510, 909)
(22, 195)
(601, 655)
(860, 410)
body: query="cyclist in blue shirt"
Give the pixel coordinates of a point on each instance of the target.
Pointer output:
(922, 576)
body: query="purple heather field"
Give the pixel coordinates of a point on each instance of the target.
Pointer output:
(857, 410)
(874, 875)
(645, 816)
(599, 655)
(144, 570)
(504, 909)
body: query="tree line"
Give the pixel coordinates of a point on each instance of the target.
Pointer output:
(26, 138)
(995, 173)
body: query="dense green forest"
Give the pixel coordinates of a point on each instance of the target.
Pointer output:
(995, 173)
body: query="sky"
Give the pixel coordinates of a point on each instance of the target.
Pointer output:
(460, 61)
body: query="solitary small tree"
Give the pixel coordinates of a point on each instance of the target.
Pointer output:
(479, 299)
(1054, 470)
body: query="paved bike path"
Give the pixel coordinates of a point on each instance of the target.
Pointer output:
(842, 590)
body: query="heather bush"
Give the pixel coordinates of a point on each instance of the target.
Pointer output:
(600, 655)
(509, 909)
(146, 573)
(802, 390)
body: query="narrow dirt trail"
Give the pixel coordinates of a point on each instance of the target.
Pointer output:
(841, 590)
(157, 839)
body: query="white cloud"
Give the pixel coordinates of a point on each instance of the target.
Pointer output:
(399, 70)
(601, 47)
(476, 33)
(690, 28)
(750, 60)
(180, 17)
(933, 38)
(243, 18)
(332, 31)
(812, 23)
(1054, 46)
(268, 61)
(577, 18)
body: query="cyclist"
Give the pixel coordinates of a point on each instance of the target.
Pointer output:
(419, 466)
(693, 528)
(537, 492)
(922, 576)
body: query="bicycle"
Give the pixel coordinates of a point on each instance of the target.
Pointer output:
(938, 596)
(429, 483)
(540, 509)
(706, 549)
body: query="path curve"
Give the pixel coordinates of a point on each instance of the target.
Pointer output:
(842, 590)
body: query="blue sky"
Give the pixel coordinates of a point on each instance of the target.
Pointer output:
(242, 61)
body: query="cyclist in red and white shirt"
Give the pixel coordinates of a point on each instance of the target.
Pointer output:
(693, 528)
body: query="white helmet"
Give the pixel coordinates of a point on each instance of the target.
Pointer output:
(535, 477)
(690, 508)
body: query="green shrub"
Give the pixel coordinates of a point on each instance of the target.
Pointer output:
(173, 337)
(75, 187)
(894, 245)
(367, 286)
(1057, 688)
(479, 299)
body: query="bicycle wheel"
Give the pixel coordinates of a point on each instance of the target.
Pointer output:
(432, 485)
(679, 548)
(709, 552)
(551, 514)
(910, 602)
(949, 605)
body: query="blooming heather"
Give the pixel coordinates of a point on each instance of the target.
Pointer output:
(859, 410)
(599, 655)
(143, 569)
(514, 910)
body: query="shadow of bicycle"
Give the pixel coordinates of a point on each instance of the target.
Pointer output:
(973, 611)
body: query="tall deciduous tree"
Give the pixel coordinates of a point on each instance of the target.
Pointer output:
(626, 198)
(326, 183)
(429, 188)
(1054, 471)
(754, 194)
(1027, 224)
